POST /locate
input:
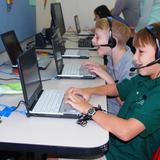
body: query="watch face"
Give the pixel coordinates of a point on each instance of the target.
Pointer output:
(91, 111)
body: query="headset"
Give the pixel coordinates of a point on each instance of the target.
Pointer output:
(111, 40)
(152, 30)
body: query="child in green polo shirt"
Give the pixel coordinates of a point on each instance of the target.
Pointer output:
(135, 131)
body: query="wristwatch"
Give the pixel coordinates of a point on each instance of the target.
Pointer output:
(91, 112)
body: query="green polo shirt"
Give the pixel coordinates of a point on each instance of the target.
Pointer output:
(142, 102)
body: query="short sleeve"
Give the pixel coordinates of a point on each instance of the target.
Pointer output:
(148, 114)
(124, 88)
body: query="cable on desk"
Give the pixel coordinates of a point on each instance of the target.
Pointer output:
(20, 111)
(9, 109)
(20, 103)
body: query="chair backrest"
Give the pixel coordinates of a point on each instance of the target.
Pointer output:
(156, 155)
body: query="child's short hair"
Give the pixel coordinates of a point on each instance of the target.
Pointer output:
(143, 37)
(119, 30)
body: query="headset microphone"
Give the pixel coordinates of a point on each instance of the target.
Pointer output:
(102, 45)
(149, 64)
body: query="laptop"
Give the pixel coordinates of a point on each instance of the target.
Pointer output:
(39, 102)
(78, 28)
(71, 70)
(14, 50)
(69, 53)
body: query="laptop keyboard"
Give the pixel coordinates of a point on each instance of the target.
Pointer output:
(85, 42)
(49, 102)
(77, 52)
(72, 52)
(74, 69)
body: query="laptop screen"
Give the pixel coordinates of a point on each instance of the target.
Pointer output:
(12, 46)
(57, 17)
(30, 77)
(59, 36)
(76, 20)
(57, 53)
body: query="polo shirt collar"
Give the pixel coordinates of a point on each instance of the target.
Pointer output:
(149, 83)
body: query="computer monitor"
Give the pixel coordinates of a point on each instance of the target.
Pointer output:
(12, 46)
(57, 17)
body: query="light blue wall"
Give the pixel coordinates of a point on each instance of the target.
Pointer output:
(21, 19)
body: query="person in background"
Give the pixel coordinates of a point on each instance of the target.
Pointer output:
(129, 9)
(150, 13)
(102, 11)
(134, 132)
(131, 13)
(119, 55)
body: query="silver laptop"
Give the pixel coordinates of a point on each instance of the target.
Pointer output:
(72, 70)
(78, 28)
(14, 50)
(69, 53)
(39, 102)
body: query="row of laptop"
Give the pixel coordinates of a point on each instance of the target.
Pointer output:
(48, 103)
(66, 53)
(14, 50)
(34, 95)
(85, 40)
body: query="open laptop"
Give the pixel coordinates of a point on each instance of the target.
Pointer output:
(14, 50)
(39, 102)
(78, 28)
(69, 53)
(69, 70)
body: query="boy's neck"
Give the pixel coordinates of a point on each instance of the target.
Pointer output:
(117, 54)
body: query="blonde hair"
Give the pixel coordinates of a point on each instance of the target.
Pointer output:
(119, 30)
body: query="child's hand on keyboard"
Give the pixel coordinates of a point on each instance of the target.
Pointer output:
(75, 98)
(82, 93)
(93, 67)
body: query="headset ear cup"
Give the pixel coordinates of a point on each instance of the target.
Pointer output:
(112, 42)
(153, 31)
(158, 55)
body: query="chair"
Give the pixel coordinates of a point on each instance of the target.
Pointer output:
(156, 155)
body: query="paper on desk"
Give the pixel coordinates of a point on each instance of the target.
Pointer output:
(11, 88)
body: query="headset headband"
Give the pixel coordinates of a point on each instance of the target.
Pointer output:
(152, 31)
